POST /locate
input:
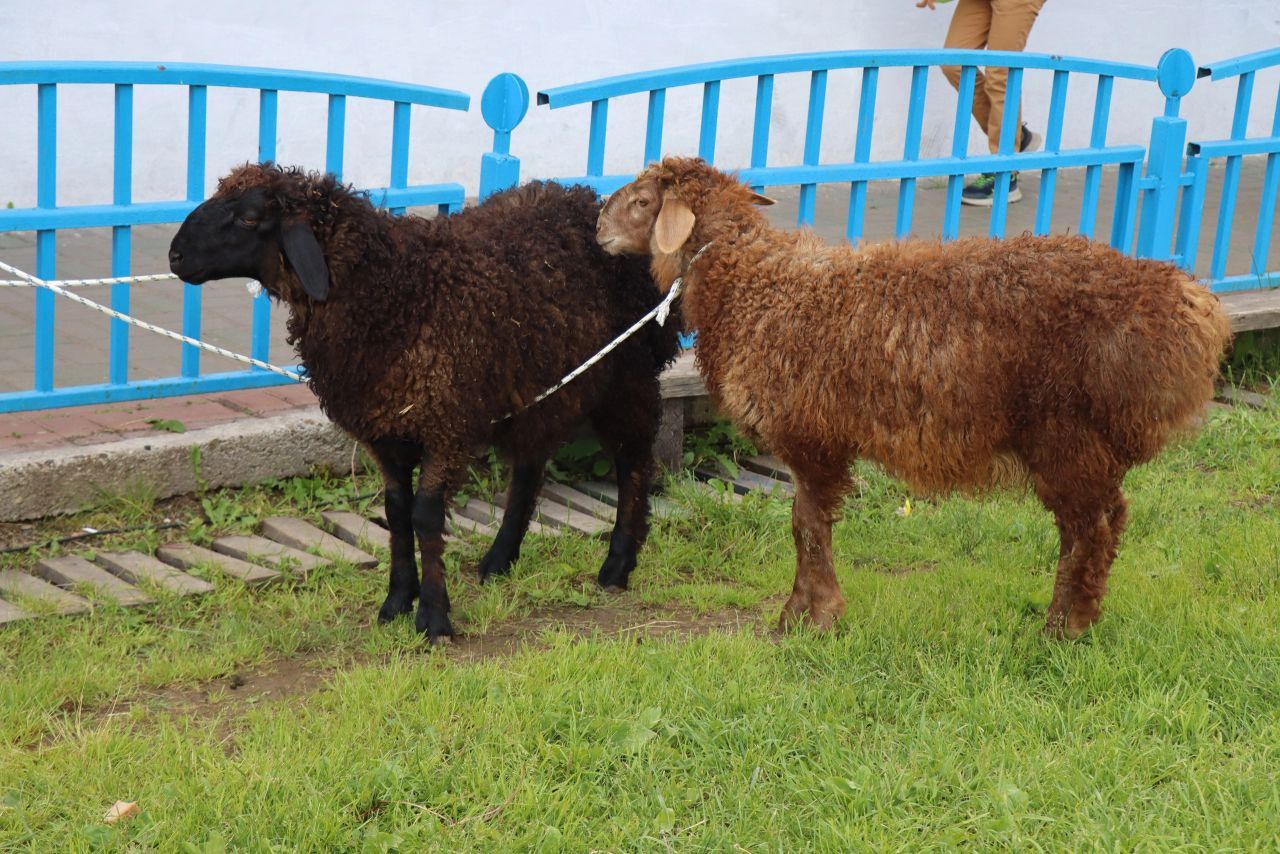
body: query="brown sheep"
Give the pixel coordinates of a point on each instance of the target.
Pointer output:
(420, 336)
(958, 366)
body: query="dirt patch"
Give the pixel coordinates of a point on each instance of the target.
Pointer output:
(223, 700)
(38, 533)
(886, 567)
(641, 622)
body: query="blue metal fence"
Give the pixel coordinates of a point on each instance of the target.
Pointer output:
(1174, 74)
(1243, 70)
(1157, 212)
(47, 217)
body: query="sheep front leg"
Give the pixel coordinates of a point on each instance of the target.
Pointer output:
(816, 595)
(526, 480)
(397, 476)
(433, 600)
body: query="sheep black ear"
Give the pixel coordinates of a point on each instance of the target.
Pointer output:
(674, 225)
(306, 258)
(757, 199)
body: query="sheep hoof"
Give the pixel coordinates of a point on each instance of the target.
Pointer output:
(441, 640)
(433, 624)
(820, 616)
(1071, 625)
(494, 563)
(395, 605)
(616, 572)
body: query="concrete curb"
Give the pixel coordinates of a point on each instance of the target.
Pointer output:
(64, 480)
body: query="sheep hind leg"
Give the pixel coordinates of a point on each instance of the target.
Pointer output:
(631, 527)
(1090, 532)
(815, 597)
(526, 480)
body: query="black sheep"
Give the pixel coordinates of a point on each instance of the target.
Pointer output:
(420, 335)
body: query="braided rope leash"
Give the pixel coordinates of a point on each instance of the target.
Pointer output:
(659, 313)
(57, 288)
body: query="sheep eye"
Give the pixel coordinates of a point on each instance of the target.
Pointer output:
(247, 221)
(642, 202)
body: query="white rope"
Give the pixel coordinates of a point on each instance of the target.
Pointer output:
(84, 283)
(659, 312)
(253, 287)
(57, 288)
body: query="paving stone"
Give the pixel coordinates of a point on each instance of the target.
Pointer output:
(357, 530)
(768, 465)
(11, 613)
(545, 527)
(727, 495)
(490, 517)
(476, 517)
(137, 568)
(575, 500)
(72, 570)
(188, 556)
(602, 490)
(747, 481)
(17, 584)
(549, 512)
(262, 550)
(659, 507)
(304, 536)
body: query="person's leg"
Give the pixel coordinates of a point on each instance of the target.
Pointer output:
(970, 25)
(1011, 22)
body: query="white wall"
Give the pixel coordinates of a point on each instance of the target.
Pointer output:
(462, 43)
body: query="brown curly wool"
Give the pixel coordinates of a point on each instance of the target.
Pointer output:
(429, 330)
(955, 366)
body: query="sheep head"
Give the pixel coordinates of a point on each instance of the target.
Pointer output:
(658, 213)
(261, 223)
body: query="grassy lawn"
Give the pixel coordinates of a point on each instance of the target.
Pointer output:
(673, 717)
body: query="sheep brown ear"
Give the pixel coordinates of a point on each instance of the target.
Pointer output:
(757, 199)
(306, 258)
(675, 223)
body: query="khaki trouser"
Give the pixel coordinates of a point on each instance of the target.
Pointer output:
(996, 25)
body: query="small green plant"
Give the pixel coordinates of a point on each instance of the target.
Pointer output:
(169, 425)
(718, 443)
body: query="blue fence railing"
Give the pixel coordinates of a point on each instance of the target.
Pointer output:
(1158, 205)
(1243, 70)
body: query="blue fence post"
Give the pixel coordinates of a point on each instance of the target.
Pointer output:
(1176, 74)
(503, 105)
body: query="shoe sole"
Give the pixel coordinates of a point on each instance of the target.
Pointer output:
(1034, 144)
(1014, 196)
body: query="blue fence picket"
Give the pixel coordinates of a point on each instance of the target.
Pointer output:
(710, 119)
(911, 149)
(862, 153)
(959, 149)
(759, 126)
(1010, 129)
(812, 142)
(1052, 144)
(121, 244)
(192, 295)
(46, 239)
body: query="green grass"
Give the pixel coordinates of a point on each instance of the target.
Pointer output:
(936, 716)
